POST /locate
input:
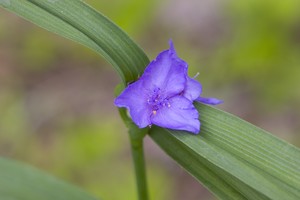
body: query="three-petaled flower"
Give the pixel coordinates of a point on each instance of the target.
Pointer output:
(164, 95)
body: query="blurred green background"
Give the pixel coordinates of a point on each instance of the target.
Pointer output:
(56, 97)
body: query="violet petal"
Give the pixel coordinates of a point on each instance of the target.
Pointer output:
(209, 100)
(180, 114)
(133, 98)
(192, 89)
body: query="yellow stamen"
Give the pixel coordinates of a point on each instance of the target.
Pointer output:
(154, 112)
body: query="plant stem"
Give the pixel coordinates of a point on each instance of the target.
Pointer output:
(139, 166)
(136, 136)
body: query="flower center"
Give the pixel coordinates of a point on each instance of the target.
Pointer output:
(157, 100)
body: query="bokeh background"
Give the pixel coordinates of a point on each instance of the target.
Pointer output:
(56, 97)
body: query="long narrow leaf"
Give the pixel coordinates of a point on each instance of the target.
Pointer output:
(234, 157)
(79, 22)
(22, 182)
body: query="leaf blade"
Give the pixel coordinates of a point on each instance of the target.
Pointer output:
(222, 148)
(22, 182)
(79, 22)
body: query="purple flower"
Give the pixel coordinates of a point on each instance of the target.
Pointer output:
(164, 95)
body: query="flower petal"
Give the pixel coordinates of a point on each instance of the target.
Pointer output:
(172, 48)
(134, 99)
(180, 115)
(167, 72)
(209, 100)
(192, 89)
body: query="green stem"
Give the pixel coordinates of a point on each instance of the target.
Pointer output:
(136, 136)
(139, 166)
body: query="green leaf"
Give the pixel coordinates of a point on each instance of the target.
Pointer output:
(79, 22)
(233, 158)
(22, 182)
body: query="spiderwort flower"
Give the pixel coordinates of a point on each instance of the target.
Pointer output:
(164, 95)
